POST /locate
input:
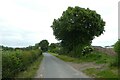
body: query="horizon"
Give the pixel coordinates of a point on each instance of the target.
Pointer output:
(27, 22)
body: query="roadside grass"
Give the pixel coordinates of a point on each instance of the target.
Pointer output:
(108, 71)
(97, 57)
(67, 58)
(97, 73)
(31, 70)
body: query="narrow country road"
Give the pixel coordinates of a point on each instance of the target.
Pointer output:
(52, 67)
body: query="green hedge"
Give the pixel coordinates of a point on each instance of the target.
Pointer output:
(16, 61)
(117, 46)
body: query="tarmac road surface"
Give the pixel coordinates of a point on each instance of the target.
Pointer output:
(53, 67)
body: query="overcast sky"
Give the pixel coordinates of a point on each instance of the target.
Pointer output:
(26, 22)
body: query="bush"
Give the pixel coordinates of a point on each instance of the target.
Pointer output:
(115, 63)
(117, 46)
(16, 61)
(86, 50)
(55, 50)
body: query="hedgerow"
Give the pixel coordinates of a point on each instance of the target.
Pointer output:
(16, 61)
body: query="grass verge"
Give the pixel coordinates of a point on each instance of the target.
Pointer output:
(99, 58)
(97, 73)
(67, 58)
(31, 70)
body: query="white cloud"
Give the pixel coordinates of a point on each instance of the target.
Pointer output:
(29, 21)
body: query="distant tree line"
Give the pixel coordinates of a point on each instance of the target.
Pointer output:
(43, 45)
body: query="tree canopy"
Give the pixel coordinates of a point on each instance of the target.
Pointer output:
(77, 27)
(44, 45)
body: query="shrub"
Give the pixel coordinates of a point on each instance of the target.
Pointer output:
(115, 63)
(86, 50)
(117, 46)
(16, 61)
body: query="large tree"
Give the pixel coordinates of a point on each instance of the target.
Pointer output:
(44, 45)
(77, 27)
